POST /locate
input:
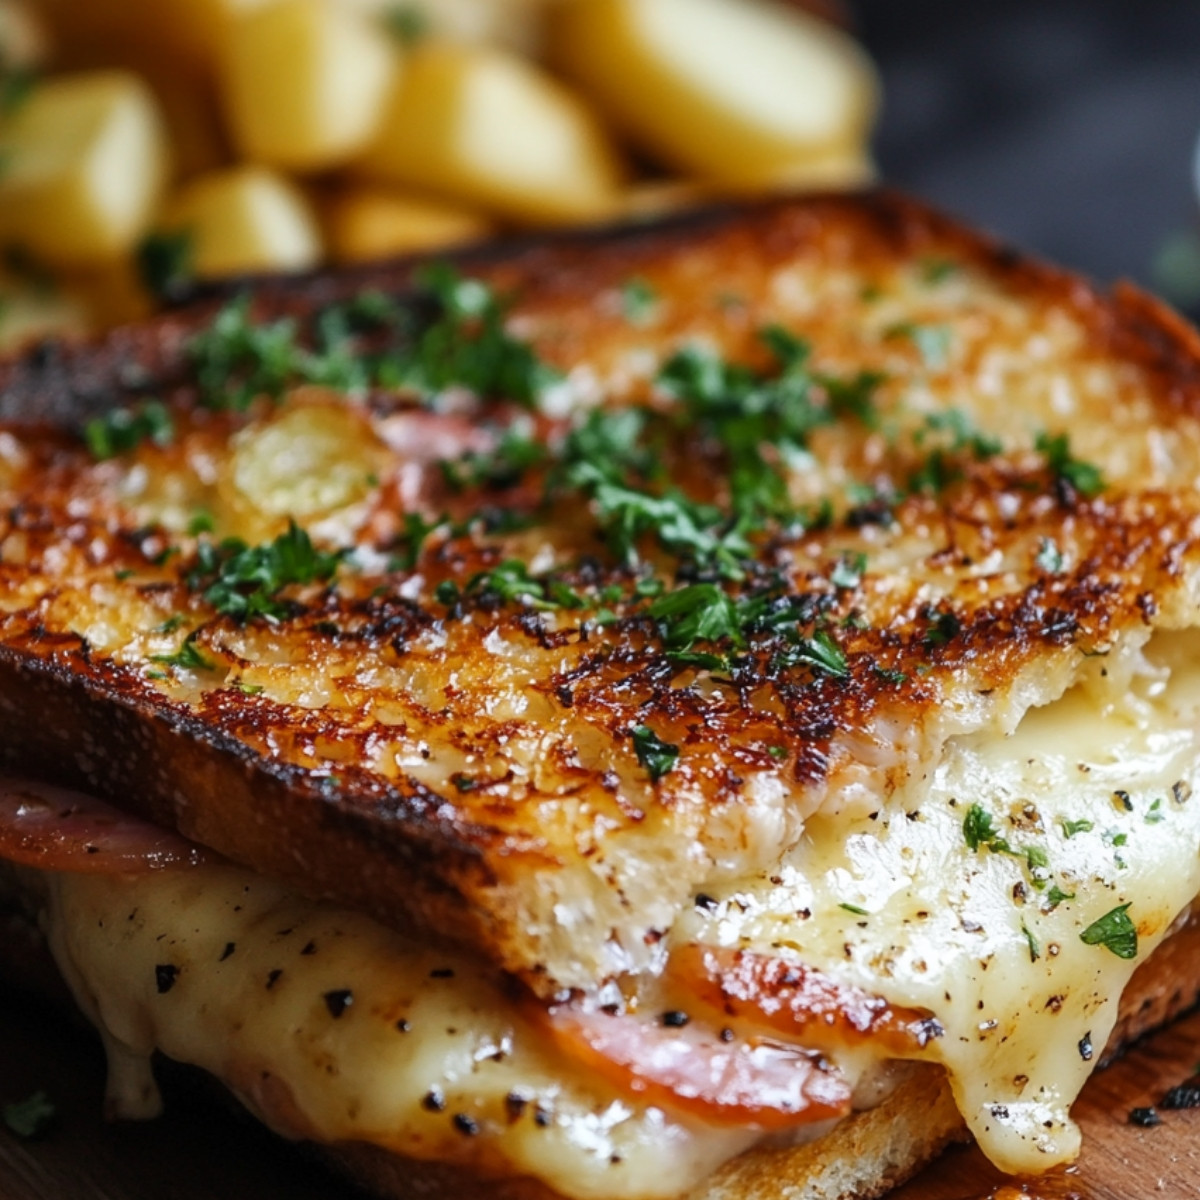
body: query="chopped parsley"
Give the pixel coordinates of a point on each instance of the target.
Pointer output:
(187, 658)
(1084, 477)
(502, 467)
(855, 909)
(932, 342)
(979, 831)
(848, 571)
(244, 582)
(1049, 556)
(1114, 931)
(657, 756)
(124, 429)
(1055, 896)
(1035, 946)
(819, 651)
(639, 302)
(1071, 828)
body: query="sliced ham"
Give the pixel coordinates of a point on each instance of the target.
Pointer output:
(56, 829)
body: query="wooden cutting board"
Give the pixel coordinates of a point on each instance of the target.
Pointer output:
(200, 1151)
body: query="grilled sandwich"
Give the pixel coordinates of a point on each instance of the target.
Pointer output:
(703, 710)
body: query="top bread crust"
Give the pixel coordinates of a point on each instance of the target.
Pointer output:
(469, 769)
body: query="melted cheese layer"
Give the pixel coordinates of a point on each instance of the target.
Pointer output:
(1091, 797)
(330, 1026)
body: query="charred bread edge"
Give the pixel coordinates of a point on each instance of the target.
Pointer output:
(67, 381)
(62, 720)
(861, 1158)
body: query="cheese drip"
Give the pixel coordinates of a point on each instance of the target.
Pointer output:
(330, 1027)
(1089, 803)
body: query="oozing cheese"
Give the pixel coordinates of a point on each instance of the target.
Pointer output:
(330, 1026)
(1097, 786)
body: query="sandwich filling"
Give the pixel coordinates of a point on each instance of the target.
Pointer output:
(758, 696)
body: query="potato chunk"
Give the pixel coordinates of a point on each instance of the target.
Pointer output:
(244, 219)
(484, 127)
(366, 223)
(86, 158)
(304, 82)
(732, 90)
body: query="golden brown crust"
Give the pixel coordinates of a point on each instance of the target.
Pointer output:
(576, 814)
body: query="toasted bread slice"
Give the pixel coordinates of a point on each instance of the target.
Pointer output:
(810, 583)
(564, 816)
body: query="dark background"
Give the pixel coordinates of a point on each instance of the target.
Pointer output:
(1066, 126)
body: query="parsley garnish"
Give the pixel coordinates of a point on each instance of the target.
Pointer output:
(848, 571)
(1035, 947)
(1086, 478)
(819, 651)
(123, 429)
(1055, 896)
(931, 341)
(29, 1117)
(657, 756)
(187, 658)
(467, 346)
(1114, 931)
(1071, 828)
(244, 582)
(1049, 556)
(639, 302)
(854, 908)
(979, 831)
(502, 467)
(700, 612)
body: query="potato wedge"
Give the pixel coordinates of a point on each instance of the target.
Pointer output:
(86, 160)
(304, 82)
(727, 89)
(244, 220)
(366, 223)
(483, 127)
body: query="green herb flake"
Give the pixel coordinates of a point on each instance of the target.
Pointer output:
(187, 658)
(819, 651)
(1071, 828)
(31, 1117)
(1114, 931)
(124, 429)
(979, 831)
(1084, 477)
(244, 582)
(639, 302)
(848, 571)
(1055, 896)
(1035, 946)
(657, 756)
(932, 342)
(1049, 557)
(1155, 813)
(854, 908)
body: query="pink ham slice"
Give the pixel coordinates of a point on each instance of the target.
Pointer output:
(56, 829)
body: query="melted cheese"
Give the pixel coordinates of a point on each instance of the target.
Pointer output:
(329, 1026)
(974, 935)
